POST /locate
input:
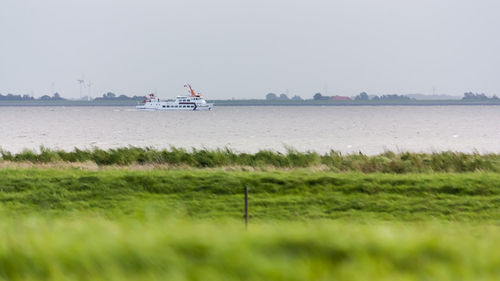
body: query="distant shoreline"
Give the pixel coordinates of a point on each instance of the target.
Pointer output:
(264, 103)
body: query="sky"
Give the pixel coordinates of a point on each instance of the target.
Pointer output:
(246, 49)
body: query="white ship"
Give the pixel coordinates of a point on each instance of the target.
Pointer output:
(189, 102)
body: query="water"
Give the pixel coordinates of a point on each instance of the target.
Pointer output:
(370, 130)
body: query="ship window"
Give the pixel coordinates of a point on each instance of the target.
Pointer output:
(163, 106)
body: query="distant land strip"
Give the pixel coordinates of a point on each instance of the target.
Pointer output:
(260, 102)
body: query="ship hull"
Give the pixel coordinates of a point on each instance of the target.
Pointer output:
(162, 106)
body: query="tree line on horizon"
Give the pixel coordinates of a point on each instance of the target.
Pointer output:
(318, 96)
(273, 96)
(364, 97)
(477, 96)
(113, 96)
(57, 96)
(13, 97)
(468, 96)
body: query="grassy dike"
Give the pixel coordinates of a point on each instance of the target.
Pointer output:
(305, 224)
(279, 195)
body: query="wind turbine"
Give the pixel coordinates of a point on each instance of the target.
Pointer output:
(82, 84)
(90, 91)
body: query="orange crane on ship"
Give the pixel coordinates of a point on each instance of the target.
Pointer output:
(193, 94)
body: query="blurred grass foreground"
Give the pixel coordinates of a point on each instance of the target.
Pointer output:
(388, 162)
(34, 248)
(312, 217)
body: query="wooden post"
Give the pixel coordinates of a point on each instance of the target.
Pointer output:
(246, 207)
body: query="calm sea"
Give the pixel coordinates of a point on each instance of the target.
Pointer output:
(368, 129)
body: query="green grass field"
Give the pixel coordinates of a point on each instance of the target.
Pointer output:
(114, 223)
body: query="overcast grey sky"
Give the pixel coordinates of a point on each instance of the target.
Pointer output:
(245, 49)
